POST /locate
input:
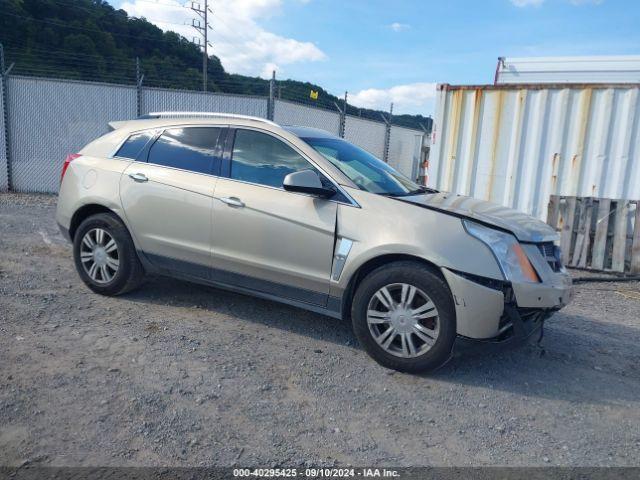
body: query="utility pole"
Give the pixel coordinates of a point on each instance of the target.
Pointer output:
(271, 106)
(203, 29)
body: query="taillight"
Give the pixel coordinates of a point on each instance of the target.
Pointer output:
(70, 158)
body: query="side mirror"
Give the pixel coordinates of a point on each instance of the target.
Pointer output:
(307, 181)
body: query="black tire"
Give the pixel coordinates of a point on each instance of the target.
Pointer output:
(422, 277)
(129, 274)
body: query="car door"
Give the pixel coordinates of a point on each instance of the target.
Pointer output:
(168, 199)
(265, 238)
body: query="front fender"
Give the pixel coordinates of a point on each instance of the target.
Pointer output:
(383, 226)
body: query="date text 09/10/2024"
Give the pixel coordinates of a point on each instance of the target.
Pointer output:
(317, 472)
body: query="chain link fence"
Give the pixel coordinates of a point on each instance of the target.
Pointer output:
(289, 113)
(366, 134)
(165, 100)
(48, 119)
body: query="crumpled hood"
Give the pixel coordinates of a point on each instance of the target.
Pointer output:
(525, 227)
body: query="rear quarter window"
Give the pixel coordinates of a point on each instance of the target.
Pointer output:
(132, 147)
(188, 148)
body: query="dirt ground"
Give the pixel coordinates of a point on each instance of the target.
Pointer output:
(178, 374)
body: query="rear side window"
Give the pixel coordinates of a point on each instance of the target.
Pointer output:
(263, 159)
(188, 148)
(134, 145)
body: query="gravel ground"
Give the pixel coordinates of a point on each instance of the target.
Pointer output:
(184, 375)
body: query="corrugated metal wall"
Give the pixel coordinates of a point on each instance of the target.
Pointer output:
(517, 145)
(366, 134)
(165, 100)
(288, 113)
(49, 119)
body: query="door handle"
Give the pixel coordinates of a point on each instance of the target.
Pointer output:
(232, 202)
(138, 177)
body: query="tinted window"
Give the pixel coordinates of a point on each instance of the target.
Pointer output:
(262, 159)
(365, 170)
(134, 145)
(189, 148)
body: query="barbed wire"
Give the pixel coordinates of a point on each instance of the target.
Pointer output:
(62, 64)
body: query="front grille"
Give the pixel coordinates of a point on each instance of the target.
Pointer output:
(547, 249)
(551, 254)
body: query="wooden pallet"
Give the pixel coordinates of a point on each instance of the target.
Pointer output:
(599, 234)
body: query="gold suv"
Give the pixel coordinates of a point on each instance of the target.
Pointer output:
(303, 217)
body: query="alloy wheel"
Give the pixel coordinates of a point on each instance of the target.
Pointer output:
(403, 320)
(99, 255)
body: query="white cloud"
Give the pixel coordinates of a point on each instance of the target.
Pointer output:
(410, 98)
(527, 3)
(238, 40)
(399, 27)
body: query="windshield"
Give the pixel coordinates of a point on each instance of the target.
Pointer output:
(366, 171)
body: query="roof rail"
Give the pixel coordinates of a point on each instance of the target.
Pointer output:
(204, 114)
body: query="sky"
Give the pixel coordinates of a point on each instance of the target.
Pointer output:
(384, 51)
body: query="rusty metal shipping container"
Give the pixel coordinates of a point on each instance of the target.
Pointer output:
(518, 144)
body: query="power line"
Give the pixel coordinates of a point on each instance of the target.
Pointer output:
(165, 4)
(114, 11)
(63, 25)
(118, 13)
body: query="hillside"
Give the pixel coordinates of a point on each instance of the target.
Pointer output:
(90, 40)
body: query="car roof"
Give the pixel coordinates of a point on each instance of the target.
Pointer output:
(165, 119)
(308, 132)
(160, 122)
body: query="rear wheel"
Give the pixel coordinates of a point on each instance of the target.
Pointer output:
(105, 255)
(403, 316)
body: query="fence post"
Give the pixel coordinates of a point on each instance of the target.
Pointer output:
(271, 104)
(343, 116)
(139, 79)
(342, 111)
(4, 110)
(387, 134)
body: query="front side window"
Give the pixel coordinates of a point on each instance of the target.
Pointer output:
(366, 171)
(187, 148)
(134, 145)
(262, 159)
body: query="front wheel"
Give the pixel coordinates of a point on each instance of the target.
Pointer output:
(404, 317)
(105, 255)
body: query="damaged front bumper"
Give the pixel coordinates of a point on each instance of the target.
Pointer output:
(493, 311)
(521, 326)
